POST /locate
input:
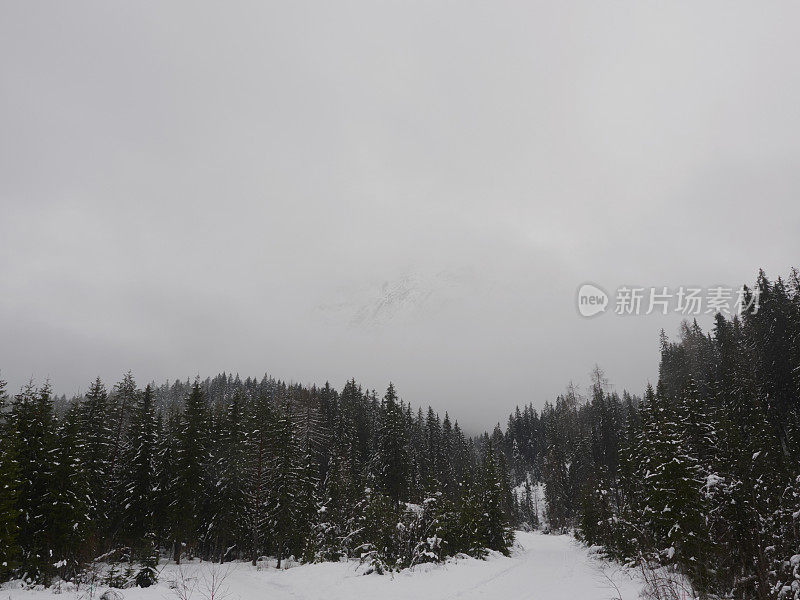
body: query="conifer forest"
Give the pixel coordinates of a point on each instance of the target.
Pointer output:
(700, 471)
(399, 300)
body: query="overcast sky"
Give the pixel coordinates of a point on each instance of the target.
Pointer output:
(405, 191)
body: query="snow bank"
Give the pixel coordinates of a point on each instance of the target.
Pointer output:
(546, 567)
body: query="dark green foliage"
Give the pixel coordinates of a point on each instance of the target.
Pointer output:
(227, 469)
(97, 443)
(9, 486)
(147, 573)
(291, 488)
(139, 494)
(228, 502)
(68, 507)
(701, 474)
(528, 510)
(32, 418)
(392, 456)
(490, 522)
(191, 468)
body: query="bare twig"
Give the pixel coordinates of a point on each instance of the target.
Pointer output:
(212, 583)
(184, 584)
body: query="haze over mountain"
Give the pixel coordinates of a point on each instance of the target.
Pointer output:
(368, 190)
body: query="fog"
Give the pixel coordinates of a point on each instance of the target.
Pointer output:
(404, 191)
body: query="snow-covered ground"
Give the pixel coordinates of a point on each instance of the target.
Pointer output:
(543, 567)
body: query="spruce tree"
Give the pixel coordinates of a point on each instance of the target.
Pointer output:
(139, 500)
(165, 474)
(259, 448)
(291, 489)
(491, 525)
(32, 417)
(190, 477)
(9, 486)
(446, 468)
(229, 460)
(67, 497)
(392, 452)
(121, 402)
(97, 444)
(674, 509)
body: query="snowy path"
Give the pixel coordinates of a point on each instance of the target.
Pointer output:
(543, 567)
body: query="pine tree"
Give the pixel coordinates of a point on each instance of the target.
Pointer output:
(771, 349)
(139, 494)
(66, 497)
(32, 417)
(562, 480)
(9, 486)
(698, 425)
(337, 529)
(327, 538)
(529, 516)
(626, 543)
(392, 448)
(96, 441)
(491, 528)
(165, 475)
(674, 509)
(261, 424)
(123, 399)
(446, 468)
(379, 528)
(190, 479)
(432, 452)
(291, 488)
(229, 459)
